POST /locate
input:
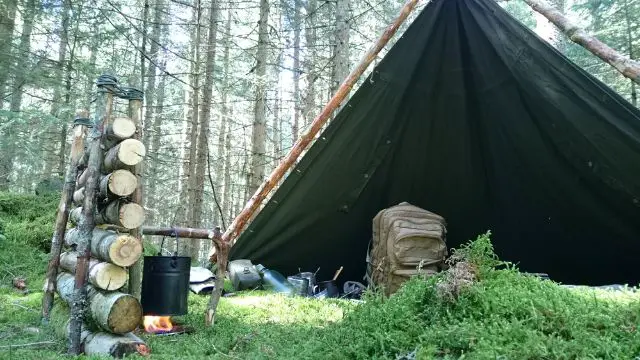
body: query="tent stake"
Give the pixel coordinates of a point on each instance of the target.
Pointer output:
(627, 67)
(253, 204)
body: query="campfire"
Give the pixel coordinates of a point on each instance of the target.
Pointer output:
(162, 325)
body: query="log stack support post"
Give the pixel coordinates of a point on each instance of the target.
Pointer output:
(90, 276)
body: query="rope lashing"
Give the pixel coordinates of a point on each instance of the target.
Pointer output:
(83, 121)
(110, 83)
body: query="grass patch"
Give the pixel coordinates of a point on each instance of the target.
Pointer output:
(495, 313)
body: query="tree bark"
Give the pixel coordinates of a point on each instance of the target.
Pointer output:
(154, 53)
(7, 25)
(113, 311)
(102, 275)
(634, 94)
(204, 120)
(50, 155)
(309, 64)
(118, 249)
(79, 133)
(627, 67)
(297, 27)
(190, 169)
(135, 273)
(341, 45)
(24, 48)
(224, 150)
(86, 224)
(256, 200)
(259, 132)
(126, 154)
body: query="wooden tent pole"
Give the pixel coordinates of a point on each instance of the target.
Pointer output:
(627, 67)
(77, 148)
(253, 204)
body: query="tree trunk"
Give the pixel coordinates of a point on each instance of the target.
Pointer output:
(135, 273)
(115, 312)
(193, 140)
(341, 45)
(7, 25)
(297, 27)
(50, 155)
(634, 94)
(154, 54)
(102, 275)
(153, 200)
(309, 64)
(119, 183)
(86, 224)
(126, 154)
(278, 173)
(119, 249)
(259, 133)
(627, 67)
(57, 239)
(224, 151)
(204, 120)
(24, 51)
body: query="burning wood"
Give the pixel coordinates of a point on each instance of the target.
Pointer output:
(162, 325)
(157, 324)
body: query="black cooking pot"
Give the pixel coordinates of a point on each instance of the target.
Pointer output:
(165, 285)
(327, 289)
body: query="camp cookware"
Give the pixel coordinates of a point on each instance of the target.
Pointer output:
(165, 285)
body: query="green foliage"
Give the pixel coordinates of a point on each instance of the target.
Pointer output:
(29, 219)
(503, 314)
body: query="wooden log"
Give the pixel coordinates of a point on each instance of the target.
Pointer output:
(301, 144)
(119, 183)
(124, 155)
(75, 215)
(117, 249)
(627, 67)
(82, 179)
(96, 342)
(77, 145)
(102, 275)
(181, 232)
(120, 128)
(87, 223)
(135, 273)
(115, 312)
(121, 213)
(78, 196)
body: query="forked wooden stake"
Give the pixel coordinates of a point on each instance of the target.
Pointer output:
(87, 223)
(253, 204)
(222, 254)
(77, 146)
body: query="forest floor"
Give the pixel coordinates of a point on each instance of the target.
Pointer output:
(485, 309)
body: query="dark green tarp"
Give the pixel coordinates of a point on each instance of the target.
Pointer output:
(472, 116)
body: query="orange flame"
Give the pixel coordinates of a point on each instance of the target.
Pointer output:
(157, 324)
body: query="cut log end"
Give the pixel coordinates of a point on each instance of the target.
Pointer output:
(125, 251)
(122, 128)
(131, 152)
(131, 215)
(108, 276)
(120, 183)
(125, 315)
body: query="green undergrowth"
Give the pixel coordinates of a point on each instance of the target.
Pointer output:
(500, 314)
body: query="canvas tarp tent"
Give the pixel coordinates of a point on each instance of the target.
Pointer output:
(472, 116)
